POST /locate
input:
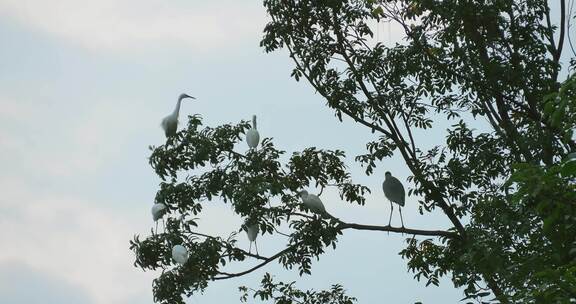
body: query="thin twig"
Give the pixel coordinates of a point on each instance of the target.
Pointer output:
(266, 261)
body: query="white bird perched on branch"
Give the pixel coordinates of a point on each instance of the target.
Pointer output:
(170, 122)
(394, 192)
(158, 211)
(252, 136)
(180, 254)
(312, 202)
(252, 232)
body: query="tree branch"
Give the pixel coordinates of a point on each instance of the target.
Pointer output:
(562, 30)
(550, 32)
(342, 225)
(390, 123)
(323, 93)
(407, 125)
(388, 228)
(266, 261)
(404, 150)
(224, 244)
(496, 289)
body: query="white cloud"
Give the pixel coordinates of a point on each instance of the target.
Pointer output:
(131, 25)
(17, 280)
(62, 139)
(80, 242)
(76, 241)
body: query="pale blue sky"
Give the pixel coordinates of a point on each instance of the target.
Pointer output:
(83, 87)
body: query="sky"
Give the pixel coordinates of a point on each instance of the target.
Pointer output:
(83, 87)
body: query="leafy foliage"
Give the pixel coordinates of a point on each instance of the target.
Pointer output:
(249, 183)
(506, 185)
(286, 293)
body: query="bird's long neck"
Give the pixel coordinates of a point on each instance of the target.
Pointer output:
(254, 122)
(177, 109)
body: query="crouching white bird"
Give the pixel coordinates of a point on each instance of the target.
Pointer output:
(252, 136)
(170, 122)
(252, 232)
(158, 211)
(180, 254)
(312, 202)
(394, 192)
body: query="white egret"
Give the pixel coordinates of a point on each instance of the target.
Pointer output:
(394, 192)
(158, 211)
(312, 202)
(252, 232)
(170, 122)
(252, 136)
(180, 254)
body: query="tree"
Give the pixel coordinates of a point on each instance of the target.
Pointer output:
(508, 191)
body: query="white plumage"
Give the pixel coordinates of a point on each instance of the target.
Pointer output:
(252, 232)
(179, 254)
(394, 192)
(312, 202)
(170, 122)
(158, 211)
(252, 136)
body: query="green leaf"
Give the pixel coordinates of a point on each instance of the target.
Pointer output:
(569, 169)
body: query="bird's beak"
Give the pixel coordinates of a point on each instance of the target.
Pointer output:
(182, 96)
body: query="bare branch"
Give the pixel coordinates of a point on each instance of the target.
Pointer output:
(549, 27)
(342, 226)
(562, 30)
(569, 25)
(323, 93)
(266, 261)
(398, 230)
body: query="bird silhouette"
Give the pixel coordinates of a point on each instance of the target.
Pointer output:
(394, 192)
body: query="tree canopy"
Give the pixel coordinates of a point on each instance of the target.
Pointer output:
(508, 191)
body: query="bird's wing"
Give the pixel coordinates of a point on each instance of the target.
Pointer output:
(388, 187)
(252, 232)
(318, 203)
(164, 123)
(401, 194)
(394, 191)
(252, 137)
(308, 203)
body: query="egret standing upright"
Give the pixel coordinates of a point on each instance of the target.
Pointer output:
(394, 192)
(252, 232)
(170, 122)
(252, 136)
(158, 211)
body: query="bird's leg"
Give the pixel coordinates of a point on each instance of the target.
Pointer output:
(156, 229)
(250, 248)
(401, 216)
(256, 245)
(391, 210)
